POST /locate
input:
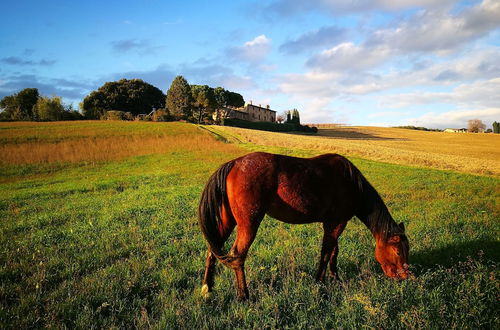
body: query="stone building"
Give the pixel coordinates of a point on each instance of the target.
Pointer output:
(251, 112)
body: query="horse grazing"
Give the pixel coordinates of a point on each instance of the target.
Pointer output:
(326, 188)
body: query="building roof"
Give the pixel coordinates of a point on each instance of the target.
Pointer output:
(257, 106)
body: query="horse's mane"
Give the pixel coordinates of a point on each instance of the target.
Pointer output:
(370, 209)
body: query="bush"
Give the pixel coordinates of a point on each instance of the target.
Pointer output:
(142, 117)
(117, 115)
(161, 115)
(71, 115)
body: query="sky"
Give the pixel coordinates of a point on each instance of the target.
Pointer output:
(431, 63)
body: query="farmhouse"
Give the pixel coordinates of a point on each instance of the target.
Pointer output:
(455, 130)
(251, 112)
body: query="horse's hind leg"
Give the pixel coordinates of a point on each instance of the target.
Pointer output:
(245, 234)
(227, 226)
(329, 249)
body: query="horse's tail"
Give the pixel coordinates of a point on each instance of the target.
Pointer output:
(213, 197)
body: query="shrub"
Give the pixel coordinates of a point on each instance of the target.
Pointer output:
(117, 115)
(161, 115)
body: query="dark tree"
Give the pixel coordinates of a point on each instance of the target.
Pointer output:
(221, 96)
(19, 106)
(204, 101)
(179, 98)
(225, 100)
(496, 127)
(235, 100)
(134, 96)
(293, 117)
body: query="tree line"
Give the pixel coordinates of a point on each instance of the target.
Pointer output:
(194, 103)
(28, 104)
(198, 102)
(126, 98)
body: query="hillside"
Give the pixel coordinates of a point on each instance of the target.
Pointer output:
(462, 152)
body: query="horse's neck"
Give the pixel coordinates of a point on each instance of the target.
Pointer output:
(375, 215)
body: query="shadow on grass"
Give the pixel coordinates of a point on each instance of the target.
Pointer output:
(487, 250)
(351, 134)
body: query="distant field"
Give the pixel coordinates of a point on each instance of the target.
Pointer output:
(96, 141)
(463, 152)
(108, 238)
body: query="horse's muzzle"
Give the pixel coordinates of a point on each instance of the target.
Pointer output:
(403, 273)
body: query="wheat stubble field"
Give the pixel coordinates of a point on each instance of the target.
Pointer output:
(463, 152)
(99, 230)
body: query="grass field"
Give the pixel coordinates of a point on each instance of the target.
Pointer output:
(109, 238)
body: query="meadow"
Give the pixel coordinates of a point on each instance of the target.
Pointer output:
(99, 230)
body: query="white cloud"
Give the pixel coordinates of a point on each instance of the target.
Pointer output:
(439, 30)
(388, 114)
(436, 54)
(310, 85)
(323, 37)
(349, 57)
(429, 32)
(252, 51)
(482, 94)
(455, 119)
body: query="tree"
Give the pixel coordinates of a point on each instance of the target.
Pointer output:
(295, 116)
(280, 118)
(49, 109)
(235, 99)
(19, 106)
(496, 127)
(204, 101)
(292, 117)
(225, 101)
(179, 98)
(475, 126)
(221, 97)
(134, 96)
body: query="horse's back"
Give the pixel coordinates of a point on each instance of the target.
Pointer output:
(294, 190)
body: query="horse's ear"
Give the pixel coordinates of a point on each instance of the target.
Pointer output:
(394, 239)
(402, 226)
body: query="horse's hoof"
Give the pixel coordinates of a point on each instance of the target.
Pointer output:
(205, 292)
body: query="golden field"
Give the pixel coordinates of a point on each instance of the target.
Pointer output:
(475, 153)
(98, 141)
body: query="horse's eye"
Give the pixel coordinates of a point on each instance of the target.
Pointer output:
(398, 254)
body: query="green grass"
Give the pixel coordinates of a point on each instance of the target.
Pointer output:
(116, 244)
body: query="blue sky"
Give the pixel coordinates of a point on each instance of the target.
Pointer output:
(433, 63)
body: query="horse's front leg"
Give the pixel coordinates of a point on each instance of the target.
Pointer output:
(337, 231)
(330, 249)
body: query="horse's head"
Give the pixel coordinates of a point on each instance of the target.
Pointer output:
(392, 254)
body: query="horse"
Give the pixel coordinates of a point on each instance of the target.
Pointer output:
(327, 188)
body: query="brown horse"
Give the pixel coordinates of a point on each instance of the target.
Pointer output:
(327, 189)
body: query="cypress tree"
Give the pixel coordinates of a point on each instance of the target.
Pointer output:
(179, 98)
